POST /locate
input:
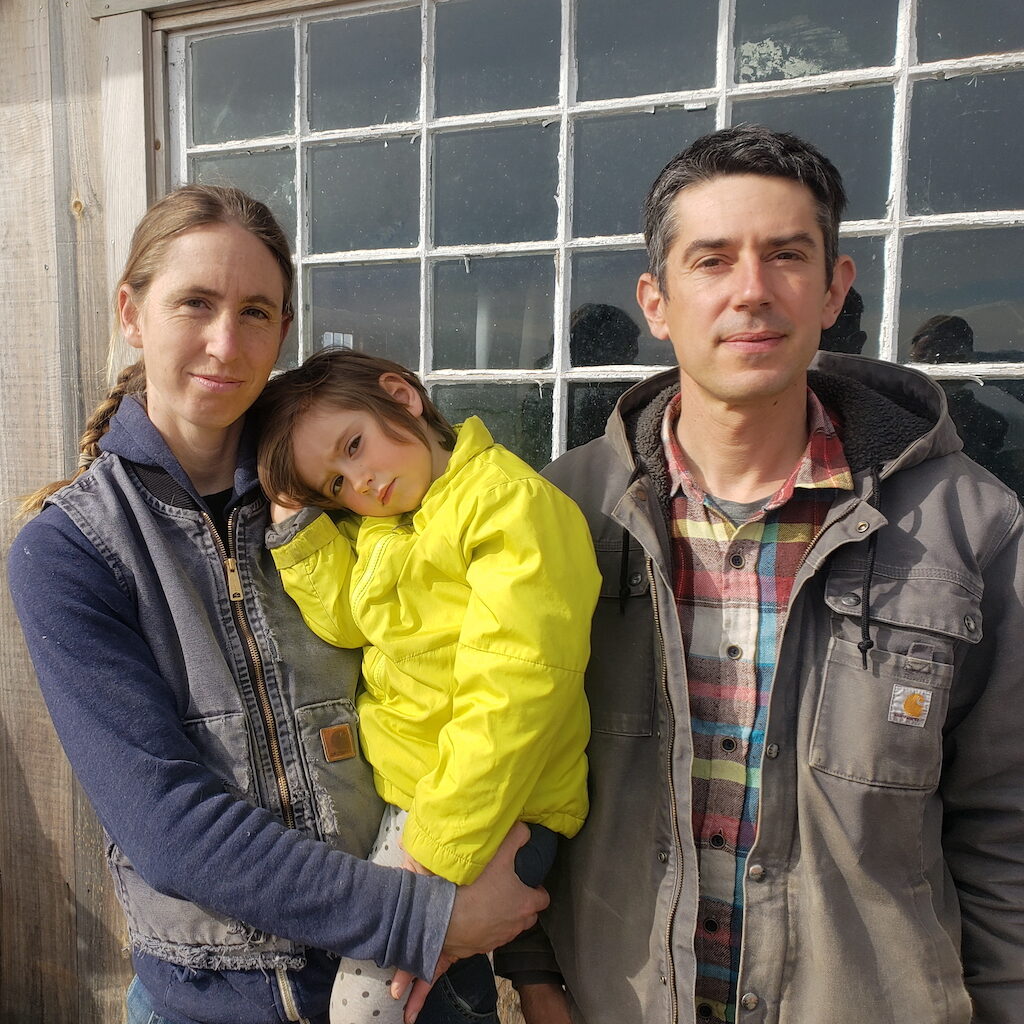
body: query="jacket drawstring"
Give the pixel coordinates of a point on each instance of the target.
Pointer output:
(624, 557)
(866, 643)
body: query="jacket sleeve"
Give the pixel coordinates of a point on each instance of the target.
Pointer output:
(518, 707)
(983, 788)
(316, 564)
(122, 731)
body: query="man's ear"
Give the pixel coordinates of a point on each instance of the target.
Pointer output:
(844, 273)
(402, 392)
(652, 305)
(128, 316)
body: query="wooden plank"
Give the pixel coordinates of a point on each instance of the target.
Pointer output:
(188, 9)
(108, 8)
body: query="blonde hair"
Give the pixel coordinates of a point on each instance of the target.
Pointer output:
(343, 379)
(190, 206)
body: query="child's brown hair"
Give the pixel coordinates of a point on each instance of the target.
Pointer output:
(344, 379)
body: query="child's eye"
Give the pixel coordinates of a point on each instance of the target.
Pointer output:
(335, 485)
(353, 445)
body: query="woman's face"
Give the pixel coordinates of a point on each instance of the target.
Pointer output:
(210, 329)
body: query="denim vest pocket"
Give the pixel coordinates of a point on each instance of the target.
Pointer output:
(622, 671)
(882, 725)
(348, 808)
(223, 745)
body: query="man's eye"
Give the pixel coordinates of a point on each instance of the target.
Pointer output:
(710, 262)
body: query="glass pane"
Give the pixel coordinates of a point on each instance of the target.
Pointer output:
(496, 55)
(364, 70)
(792, 38)
(618, 158)
(860, 319)
(243, 86)
(973, 275)
(951, 28)
(493, 313)
(373, 308)
(495, 185)
(644, 46)
(990, 419)
(853, 128)
(269, 177)
(977, 165)
(604, 288)
(517, 415)
(590, 405)
(365, 194)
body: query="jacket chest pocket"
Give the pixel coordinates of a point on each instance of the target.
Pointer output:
(882, 725)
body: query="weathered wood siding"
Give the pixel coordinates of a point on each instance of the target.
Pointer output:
(61, 933)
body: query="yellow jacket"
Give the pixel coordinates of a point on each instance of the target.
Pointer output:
(475, 610)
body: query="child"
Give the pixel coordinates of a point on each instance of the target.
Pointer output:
(470, 581)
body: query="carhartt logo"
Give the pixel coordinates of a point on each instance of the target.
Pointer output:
(909, 706)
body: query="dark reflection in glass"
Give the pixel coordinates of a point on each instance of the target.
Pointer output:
(951, 28)
(792, 38)
(617, 158)
(493, 313)
(974, 165)
(495, 185)
(269, 177)
(243, 86)
(373, 308)
(517, 415)
(496, 55)
(644, 46)
(853, 128)
(364, 69)
(971, 274)
(365, 194)
(867, 254)
(609, 279)
(590, 405)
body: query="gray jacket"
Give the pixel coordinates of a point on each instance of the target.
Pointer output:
(886, 883)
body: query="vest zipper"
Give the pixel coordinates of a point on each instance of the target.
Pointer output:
(255, 662)
(671, 979)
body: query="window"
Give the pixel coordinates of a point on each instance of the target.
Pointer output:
(463, 179)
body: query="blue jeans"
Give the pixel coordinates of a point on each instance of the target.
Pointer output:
(465, 994)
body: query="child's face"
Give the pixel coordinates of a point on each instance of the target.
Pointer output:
(345, 455)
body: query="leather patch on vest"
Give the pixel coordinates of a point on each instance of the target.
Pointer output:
(338, 742)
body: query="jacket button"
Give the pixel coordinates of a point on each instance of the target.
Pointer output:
(756, 873)
(664, 980)
(717, 841)
(863, 527)
(641, 494)
(850, 600)
(662, 856)
(749, 1001)
(970, 623)
(636, 579)
(736, 560)
(772, 750)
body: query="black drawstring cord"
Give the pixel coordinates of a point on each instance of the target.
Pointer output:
(866, 643)
(624, 557)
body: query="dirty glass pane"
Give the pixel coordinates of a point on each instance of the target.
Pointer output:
(496, 55)
(977, 166)
(952, 28)
(973, 276)
(590, 405)
(493, 313)
(860, 320)
(617, 159)
(243, 85)
(792, 38)
(495, 185)
(365, 195)
(364, 70)
(374, 308)
(603, 298)
(644, 46)
(269, 177)
(853, 128)
(517, 415)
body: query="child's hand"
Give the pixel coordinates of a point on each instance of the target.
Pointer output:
(279, 511)
(413, 865)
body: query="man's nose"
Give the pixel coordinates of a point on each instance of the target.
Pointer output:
(752, 283)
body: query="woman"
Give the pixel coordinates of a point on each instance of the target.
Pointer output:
(214, 734)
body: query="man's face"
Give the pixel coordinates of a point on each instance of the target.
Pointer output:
(746, 298)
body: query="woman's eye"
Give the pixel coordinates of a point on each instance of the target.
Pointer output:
(259, 314)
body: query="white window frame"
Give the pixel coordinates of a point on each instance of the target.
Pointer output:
(164, 49)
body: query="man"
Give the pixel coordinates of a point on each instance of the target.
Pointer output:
(807, 768)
